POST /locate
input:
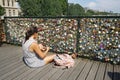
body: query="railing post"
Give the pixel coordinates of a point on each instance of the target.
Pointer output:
(6, 33)
(78, 35)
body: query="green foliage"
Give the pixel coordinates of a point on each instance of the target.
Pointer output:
(54, 8)
(103, 13)
(90, 13)
(2, 11)
(75, 10)
(64, 6)
(31, 7)
(43, 7)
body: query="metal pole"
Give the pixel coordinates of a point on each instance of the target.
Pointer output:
(78, 36)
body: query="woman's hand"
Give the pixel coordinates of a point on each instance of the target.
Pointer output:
(48, 48)
(43, 48)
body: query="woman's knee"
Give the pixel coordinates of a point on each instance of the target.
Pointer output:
(49, 58)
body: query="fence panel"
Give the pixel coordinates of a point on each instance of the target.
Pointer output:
(58, 33)
(94, 37)
(100, 39)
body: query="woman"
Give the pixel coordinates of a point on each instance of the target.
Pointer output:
(34, 56)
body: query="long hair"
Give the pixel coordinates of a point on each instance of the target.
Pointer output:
(30, 32)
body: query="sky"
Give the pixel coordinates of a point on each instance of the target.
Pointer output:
(100, 5)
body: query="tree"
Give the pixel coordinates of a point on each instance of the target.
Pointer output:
(103, 13)
(64, 5)
(2, 11)
(31, 7)
(43, 7)
(52, 8)
(75, 10)
(90, 12)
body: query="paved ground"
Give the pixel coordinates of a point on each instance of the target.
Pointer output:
(13, 68)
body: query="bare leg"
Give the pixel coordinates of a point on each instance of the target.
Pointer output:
(49, 58)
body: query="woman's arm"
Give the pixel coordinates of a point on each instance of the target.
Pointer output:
(42, 48)
(35, 47)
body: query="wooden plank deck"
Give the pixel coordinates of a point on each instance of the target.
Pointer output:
(13, 68)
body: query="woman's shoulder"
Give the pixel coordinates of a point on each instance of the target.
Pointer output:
(34, 45)
(29, 42)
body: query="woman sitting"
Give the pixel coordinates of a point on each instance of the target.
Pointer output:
(35, 55)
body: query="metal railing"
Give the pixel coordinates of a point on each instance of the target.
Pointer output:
(94, 37)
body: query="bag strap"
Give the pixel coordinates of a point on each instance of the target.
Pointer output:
(62, 67)
(58, 56)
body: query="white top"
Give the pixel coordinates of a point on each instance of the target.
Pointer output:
(31, 58)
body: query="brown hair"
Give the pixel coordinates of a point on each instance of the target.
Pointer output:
(30, 32)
